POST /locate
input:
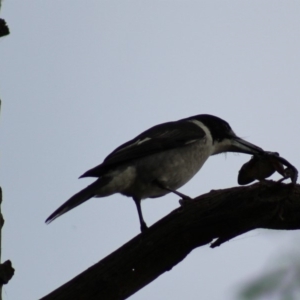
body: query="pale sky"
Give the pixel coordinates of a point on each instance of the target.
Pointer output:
(79, 78)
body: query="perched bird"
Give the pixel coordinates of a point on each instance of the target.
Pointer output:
(159, 161)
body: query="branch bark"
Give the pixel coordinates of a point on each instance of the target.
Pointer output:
(213, 218)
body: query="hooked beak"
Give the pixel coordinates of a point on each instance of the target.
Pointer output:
(242, 146)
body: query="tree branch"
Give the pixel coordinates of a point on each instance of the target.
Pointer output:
(4, 30)
(219, 215)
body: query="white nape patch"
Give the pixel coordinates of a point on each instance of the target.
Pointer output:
(205, 129)
(217, 147)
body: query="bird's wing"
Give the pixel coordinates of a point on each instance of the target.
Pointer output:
(156, 139)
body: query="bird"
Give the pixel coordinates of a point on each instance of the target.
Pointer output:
(159, 161)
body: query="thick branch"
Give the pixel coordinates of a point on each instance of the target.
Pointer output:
(220, 215)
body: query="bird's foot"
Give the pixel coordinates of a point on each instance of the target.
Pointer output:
(185, 200)
(144, 227)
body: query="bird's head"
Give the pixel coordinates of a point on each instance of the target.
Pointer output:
(224, 139)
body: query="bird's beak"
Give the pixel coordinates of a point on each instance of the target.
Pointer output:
(242, 146)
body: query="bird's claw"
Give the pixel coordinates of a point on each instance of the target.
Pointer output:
(185, 201)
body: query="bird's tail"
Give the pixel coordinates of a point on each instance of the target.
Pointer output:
(82, 196)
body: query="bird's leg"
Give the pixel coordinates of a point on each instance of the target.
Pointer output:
(162, 186)
(137, 202)
(184, 198)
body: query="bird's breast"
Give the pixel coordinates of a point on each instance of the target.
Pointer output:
(172, 168)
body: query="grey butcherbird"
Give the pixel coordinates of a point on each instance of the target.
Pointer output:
(159, 161)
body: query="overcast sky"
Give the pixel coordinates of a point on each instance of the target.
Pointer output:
(78, 78)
